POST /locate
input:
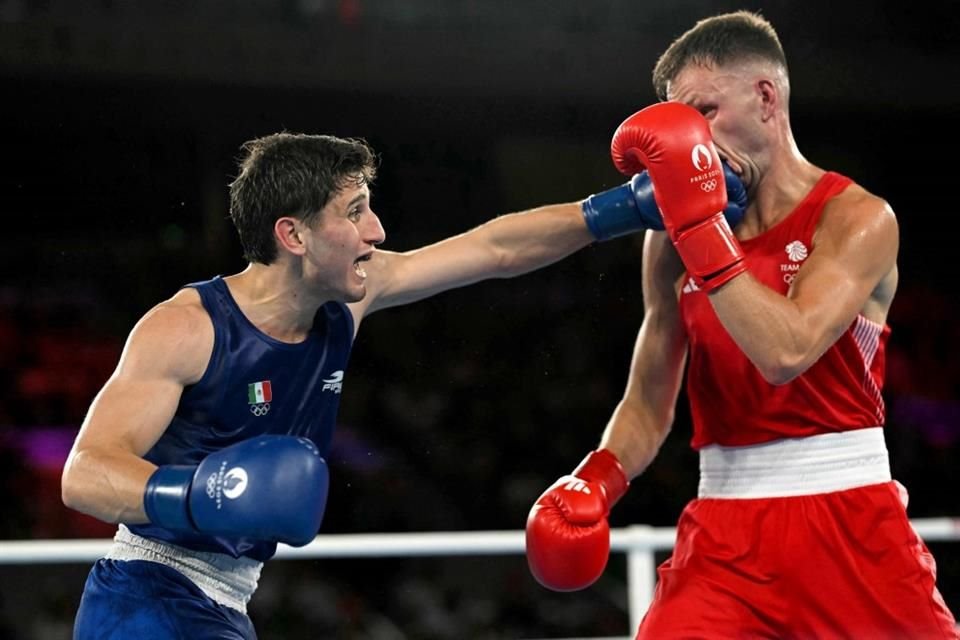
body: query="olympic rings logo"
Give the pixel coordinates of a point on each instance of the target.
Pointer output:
(212, 485)
(708, 185)
(260, 409)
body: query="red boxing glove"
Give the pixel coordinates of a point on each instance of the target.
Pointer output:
(568, 537)
(672, 141)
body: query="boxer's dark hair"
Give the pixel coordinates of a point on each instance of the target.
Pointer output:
(288, 174)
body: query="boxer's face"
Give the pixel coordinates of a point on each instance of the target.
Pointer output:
(728, 98)
(340, 241)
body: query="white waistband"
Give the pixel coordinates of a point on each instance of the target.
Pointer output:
(795, 466)
(227, 580)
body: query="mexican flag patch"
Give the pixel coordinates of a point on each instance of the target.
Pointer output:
(259, 392)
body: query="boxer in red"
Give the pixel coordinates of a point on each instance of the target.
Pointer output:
(798, 530)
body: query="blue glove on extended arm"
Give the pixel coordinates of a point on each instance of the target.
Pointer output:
(270, 488)
(631, 206)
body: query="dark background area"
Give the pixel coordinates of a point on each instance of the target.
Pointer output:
(119, 126)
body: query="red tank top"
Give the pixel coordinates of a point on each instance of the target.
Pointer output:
(731, 403)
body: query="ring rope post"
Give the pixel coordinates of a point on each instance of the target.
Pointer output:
(641, 576)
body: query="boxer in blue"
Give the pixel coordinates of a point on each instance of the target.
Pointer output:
(206, 445)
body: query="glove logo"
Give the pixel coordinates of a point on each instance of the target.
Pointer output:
(212, 486)
(234, 483)
(708, 185)
(577, 485)
(691, 286)
(701, 157)
(226, 484)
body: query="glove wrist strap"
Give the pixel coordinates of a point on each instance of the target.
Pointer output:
(611, 214)
(622, 210)
(166, 498)
(709, 249)
(603, 466)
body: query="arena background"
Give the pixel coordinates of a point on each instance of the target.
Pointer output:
(119, 125)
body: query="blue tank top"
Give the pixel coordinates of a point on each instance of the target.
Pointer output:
(253, 385)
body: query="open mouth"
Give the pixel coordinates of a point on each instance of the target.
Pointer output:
(358, 268)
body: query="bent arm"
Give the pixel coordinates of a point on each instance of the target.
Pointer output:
(105, 474)
(644, 416)
(852, 263)
(501, 248)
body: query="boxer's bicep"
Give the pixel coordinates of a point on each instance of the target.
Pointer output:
(105, 473)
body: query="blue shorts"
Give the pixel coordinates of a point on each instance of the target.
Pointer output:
(136, 599)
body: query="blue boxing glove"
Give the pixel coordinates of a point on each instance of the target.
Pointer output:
(269, 488)
(631, 206)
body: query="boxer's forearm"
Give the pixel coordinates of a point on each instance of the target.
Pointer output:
(106, 484)
(532, 239)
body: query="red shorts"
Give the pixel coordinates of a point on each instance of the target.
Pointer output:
(846, 564)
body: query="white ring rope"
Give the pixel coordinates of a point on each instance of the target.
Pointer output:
(639, 542)
(380, 545)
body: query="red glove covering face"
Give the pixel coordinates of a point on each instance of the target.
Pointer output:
(672, 142)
